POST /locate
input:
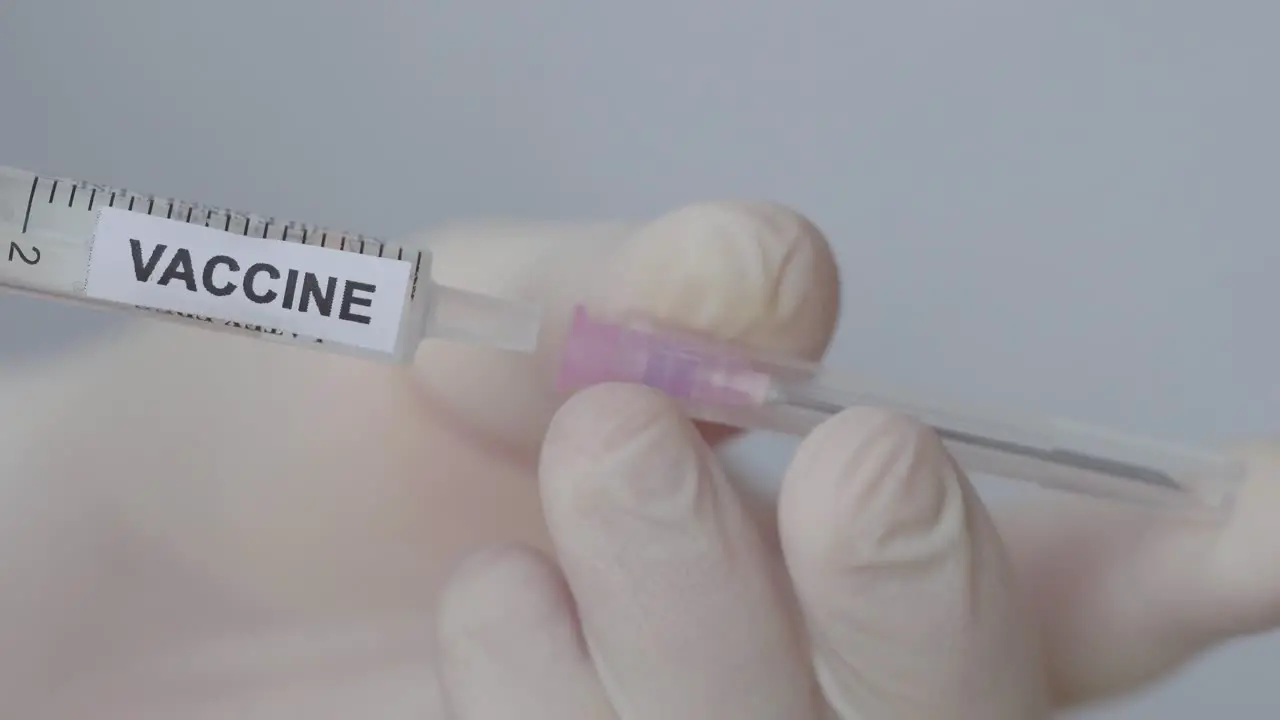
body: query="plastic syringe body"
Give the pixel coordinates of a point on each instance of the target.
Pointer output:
(238, 272)
(729, 385)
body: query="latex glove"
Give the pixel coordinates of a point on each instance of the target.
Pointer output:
(199, 526)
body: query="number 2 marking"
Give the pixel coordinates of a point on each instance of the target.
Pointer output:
(15, 250)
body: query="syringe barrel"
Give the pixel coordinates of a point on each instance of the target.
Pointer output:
(236, 272)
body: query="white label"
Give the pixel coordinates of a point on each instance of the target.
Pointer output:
(324, 293)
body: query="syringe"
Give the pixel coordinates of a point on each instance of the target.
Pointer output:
(350, 293)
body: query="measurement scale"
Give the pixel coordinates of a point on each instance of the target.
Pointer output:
(70, 239)
(350, 293)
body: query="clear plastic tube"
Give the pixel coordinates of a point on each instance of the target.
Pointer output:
(238, 272)
(724, 384)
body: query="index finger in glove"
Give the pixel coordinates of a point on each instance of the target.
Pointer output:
(902, 580)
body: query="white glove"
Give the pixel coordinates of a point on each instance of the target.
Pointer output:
(200, 526)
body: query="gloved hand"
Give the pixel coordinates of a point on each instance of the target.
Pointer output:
(201, 526)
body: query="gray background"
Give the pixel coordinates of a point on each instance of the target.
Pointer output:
(1062, 207)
